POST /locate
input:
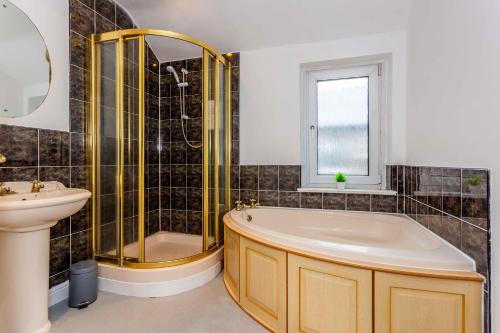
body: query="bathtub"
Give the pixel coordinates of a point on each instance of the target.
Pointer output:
(297, 270)
(392, 240)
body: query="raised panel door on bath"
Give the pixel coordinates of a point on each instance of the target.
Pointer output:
(232, 262)
(412, 304)
(263, 284)
(328, 298)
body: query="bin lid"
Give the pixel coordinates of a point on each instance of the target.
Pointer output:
(83, 267)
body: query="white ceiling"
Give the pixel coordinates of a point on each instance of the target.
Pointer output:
(237, 25)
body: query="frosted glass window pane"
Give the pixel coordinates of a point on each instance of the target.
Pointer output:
(343, 126)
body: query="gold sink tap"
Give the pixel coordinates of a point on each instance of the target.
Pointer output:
(4, 189)
(37, 186)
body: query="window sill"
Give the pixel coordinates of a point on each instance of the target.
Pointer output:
(347, 190)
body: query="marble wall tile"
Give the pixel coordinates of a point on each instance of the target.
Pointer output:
(249, 177)
(289, 177)
(247, 195)
(358, 202)
(311, 200)
(54, 148)
(19, 145)
(106, 8)
(178, 219)
(60, 174)
(268, 198)
(384, 203)
(62, 228)
(268, 177)
(289, 199)
(334, 201)
(81, 18)
(80, 246)
(194, 222)
(59, 255)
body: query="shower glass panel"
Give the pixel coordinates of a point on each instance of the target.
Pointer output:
(161, 133)
(224, 171)
(210, 121)
(106, 152)
(130, 146)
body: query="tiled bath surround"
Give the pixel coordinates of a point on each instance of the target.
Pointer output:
(451, 202)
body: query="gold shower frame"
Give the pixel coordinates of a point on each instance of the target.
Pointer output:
(93, 145)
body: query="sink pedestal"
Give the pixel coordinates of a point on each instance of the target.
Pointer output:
(25, 220)
(24, 280)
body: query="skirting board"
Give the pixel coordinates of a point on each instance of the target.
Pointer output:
(58, 293)
(160, 289)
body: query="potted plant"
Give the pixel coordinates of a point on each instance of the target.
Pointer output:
(341, 179)
(473, 184)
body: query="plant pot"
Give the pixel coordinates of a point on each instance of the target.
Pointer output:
(341, 186)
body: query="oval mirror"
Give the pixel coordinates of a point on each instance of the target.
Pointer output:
(24, 63)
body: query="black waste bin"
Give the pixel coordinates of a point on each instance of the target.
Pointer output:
(82, 284)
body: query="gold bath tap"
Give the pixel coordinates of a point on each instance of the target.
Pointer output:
(37, 186)
(253, 203)
(239, 205)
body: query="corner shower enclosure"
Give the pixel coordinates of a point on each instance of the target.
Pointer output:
(159, 194)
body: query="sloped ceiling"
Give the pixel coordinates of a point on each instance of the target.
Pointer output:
(236, 25)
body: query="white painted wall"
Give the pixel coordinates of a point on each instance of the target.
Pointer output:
(270, 94)
(51, 19)
(453, 96)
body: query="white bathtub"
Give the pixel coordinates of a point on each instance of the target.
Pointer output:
(372, 238)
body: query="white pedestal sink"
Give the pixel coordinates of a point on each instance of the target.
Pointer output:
(25, 221)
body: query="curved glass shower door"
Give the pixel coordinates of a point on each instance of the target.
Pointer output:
(161, 134)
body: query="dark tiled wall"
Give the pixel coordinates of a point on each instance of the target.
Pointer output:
(454, 204)
(85, 18)
(276, 185)
(181, 165)
(54, 155)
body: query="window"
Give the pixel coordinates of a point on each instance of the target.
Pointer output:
(341, 125)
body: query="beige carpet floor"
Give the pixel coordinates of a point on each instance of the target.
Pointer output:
(205, 309)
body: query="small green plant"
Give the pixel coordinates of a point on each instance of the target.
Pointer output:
(473, 180)
(340, 177)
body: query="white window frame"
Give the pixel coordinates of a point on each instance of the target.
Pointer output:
(375, 68)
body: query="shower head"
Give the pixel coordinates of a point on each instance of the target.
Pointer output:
(184, 71)
(172, 70)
